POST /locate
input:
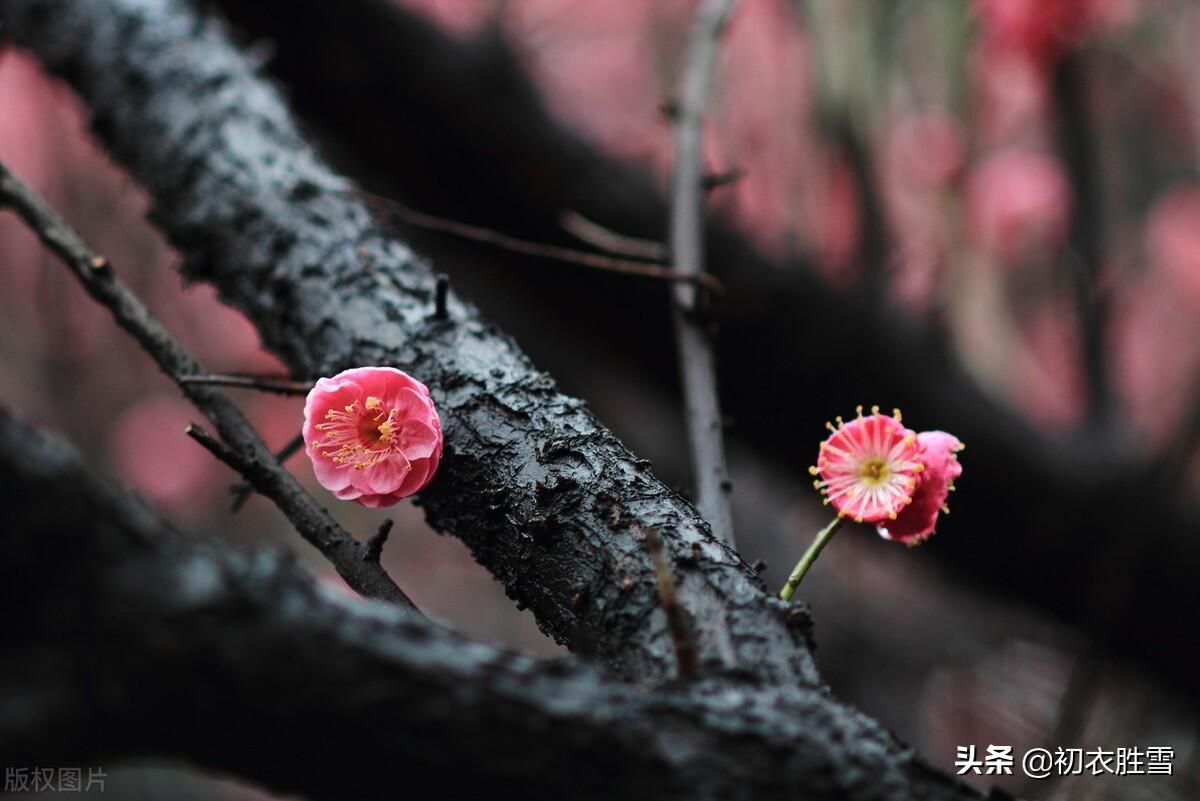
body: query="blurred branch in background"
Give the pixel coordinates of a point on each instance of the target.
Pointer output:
(242, 448)
(690, 310)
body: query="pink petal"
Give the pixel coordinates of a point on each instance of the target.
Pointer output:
(418, 478)
(379, 501)
(348, 494)
(332, 477)
(419, 440)
(387, 476)
(918, 521)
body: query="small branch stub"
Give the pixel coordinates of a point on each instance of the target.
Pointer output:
(374, 547)
(440, 292)
(686, 656)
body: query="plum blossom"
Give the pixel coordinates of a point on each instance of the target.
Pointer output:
(916, 521)
(868, 467)
(875, 470)
(373, 435)
(1018, 201)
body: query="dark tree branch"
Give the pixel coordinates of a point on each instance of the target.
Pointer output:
(697, 363)
(375, 545)
(241, 492)
(179, 647)
(547, 499)
(262, 383)
(242, 449)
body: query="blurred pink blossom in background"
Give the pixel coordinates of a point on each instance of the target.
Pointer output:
(1173, 241)
(150, 450)
(1018, 204)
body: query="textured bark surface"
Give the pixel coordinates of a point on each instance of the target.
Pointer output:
(547, 499)
(792, 346)
(178, 646)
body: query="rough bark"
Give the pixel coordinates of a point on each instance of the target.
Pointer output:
(547, 499)
(178, 646)
(1041, 502)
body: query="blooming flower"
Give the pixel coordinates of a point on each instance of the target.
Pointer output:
(373, 435)
(868, 467)
(916, 522)
(874, 470)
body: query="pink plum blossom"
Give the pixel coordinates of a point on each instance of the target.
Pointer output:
(1018, 200)
(916, 522)
(373, 435)
(868, 467)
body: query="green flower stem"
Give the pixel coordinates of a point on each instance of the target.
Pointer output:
(819, 542)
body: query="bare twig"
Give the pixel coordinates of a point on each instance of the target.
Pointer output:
(686, 656)
(558, 253)
(697, 364)
(603, 238)
(242, 448)
(263, 383)
(242, 491)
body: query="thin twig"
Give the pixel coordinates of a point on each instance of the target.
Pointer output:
(697, 363)
(241, 446)
(263, 383)
(242, 491)
(603, 238)
(685, 650)
(558, 253)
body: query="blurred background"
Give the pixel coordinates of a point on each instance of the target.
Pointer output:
(986, 213)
